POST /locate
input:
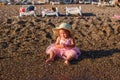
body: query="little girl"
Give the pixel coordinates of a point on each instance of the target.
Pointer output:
(64, 47)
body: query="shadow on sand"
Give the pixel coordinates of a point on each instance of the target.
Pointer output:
(88, 14)
(93, 54)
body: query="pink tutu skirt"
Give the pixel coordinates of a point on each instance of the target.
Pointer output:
(63, 52)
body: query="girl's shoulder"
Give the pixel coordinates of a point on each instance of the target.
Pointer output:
(58, 38)
(70, 38)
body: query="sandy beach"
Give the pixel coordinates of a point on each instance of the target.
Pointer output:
(23, 41)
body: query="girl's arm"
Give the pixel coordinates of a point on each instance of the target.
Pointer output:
(57, 43)
(72, 43)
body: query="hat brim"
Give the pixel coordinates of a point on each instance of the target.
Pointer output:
(56, 30)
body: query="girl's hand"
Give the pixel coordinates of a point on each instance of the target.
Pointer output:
(62, 45)
(59, 46)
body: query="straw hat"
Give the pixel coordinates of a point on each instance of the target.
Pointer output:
(65, 26)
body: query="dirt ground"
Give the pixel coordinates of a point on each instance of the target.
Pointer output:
(23, 42)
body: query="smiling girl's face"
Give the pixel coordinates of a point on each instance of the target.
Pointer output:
(64, 33)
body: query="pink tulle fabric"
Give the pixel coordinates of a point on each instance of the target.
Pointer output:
(63, 52)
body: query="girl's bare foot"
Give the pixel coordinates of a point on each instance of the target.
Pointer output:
(49, 60)
(67, 62)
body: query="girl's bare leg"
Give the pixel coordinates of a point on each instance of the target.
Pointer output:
(51, 58)
(69, 58)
